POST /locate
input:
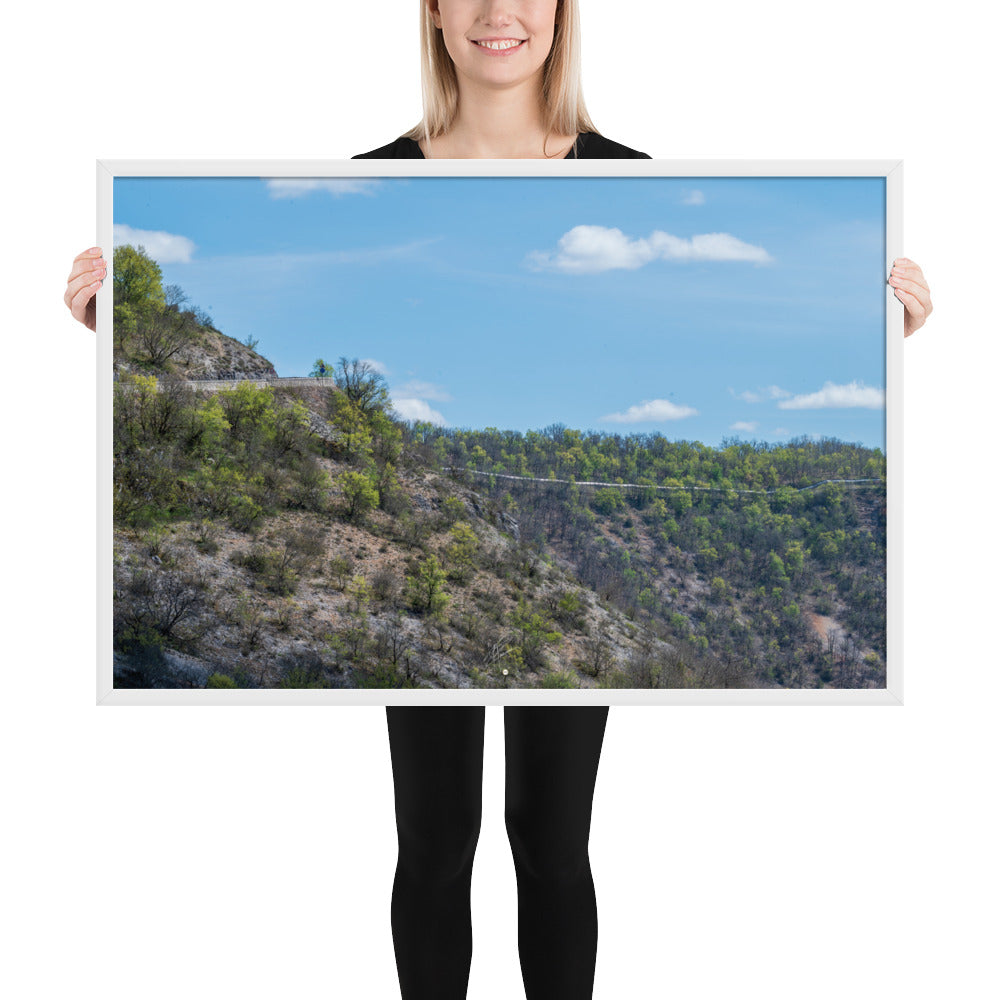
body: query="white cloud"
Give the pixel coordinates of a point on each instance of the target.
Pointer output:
(590, 249)
(298, 187)
(423, 390)
(781, 432)
(771, 392)
(377, 365)
(651, 409)
(164, 248)
(832, 396)
(744, 425)
(694, 197)
(417, 409)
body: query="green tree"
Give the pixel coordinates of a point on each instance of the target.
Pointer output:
(359, 493)
(452, 509)
(426, 588)
(462, 549)
(248, 408)
(534, 631)
(607, 500)
(321, 369)
(207, 428)
(794, 557)
(386, 437)
(138, 290)
(138, 281)
(356, 437)
(360, 592)
(776, 568)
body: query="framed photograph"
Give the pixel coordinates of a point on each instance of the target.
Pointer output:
(499, 432)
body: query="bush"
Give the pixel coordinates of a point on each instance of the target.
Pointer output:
(560, 679)
(274, 567)
(244, 513)
(385, 584)
(142, 643)
(425, 589)
(221, 681)
(341, 569)
(206, 538)
(570, 611)
(607, 500)
(360, 496)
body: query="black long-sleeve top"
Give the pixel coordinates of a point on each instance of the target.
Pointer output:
(588, 146)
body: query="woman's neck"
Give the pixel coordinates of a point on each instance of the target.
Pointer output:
(498, 124)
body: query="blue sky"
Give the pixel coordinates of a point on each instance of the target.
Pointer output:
(699, 308)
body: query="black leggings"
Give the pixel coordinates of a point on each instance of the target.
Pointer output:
(552, 753)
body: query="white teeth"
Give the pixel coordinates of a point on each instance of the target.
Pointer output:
(499, 45)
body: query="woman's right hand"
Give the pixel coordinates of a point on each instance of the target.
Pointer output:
(86, 276)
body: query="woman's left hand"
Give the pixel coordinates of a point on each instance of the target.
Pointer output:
(911, 289)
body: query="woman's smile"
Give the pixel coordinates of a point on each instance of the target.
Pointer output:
(498, 46)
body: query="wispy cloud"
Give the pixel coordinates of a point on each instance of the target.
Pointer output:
(744, 425)
(417, 409)
(591, 249)
(759, 396)
(299, 187)
(423, 390)
(164, 248)
(694, 197)
(271, 264)
(651, 410)
(376, 365)
(832, 396)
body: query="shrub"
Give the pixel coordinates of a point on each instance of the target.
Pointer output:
(220, 681)
(360, 496)
(385, 584)
(452, 509)
(341, 567)
(425, 589)
(244, 513)
(559, 679)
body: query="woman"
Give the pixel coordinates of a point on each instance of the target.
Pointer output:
(501, 79)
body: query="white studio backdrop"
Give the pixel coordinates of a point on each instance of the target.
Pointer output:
(737, 852)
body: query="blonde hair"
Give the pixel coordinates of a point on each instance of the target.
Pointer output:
(565, 112)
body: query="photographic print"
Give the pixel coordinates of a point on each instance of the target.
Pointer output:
(618, 435)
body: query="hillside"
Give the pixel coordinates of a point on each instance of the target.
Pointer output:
(300, 535)
(280, 537)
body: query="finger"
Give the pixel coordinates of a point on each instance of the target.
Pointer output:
(78, 302)
(84, 273)
(80, 282)
(908, 285)
(907, 269)
(86, 264)
(913, 305)
(87, 270)
(85, 255)
(921, 292)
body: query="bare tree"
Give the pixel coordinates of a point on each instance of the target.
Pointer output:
(161, 334)
(174, 296)
(363, 385)
(391, 640)
(599, 656)
(159, 600)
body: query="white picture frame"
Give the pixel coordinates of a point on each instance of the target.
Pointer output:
(890, 171)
